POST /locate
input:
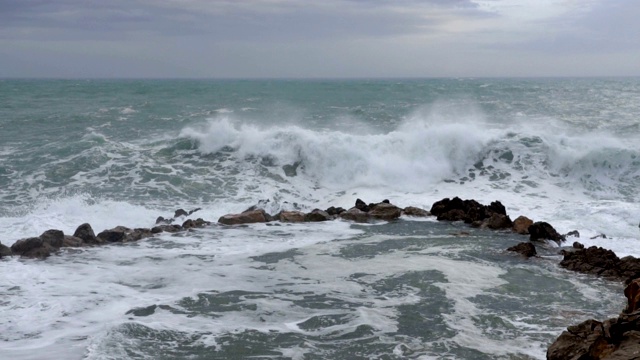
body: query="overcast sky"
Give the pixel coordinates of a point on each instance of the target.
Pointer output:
(318, 39)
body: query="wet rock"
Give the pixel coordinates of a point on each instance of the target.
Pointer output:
(355, 214)
(335, 210)
(542, 230)
(161, 220)
(521, 225)
(578, 342)
(85, 232)
(247, 217)
(361, 205)
(385, 211)
(53, 237)
(453, 215)
(527, 249)
(112, 235)
(593, 260)
(573, 233)
(197, 223)
(415, 211)
(166, 228)
(317, 215)
(577, 245)
(598, 236)
(498, 221)
(291, 216)
(469, 211)
(180, 212)
(291, 170)
(194, 210)
(23, 246)
(72, 241)
(5, 251)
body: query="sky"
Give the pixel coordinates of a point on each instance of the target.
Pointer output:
(318, 39)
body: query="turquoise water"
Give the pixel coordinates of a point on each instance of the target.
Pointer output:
(116, 152)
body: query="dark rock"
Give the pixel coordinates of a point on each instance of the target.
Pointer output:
(180, 212)
(194, 210)
(355, 214)
(335, 210)
(247, 217)
(573, 233)
(85, 232)
(161, 220)
(22, 246)
(599, 261)
(112, 235)
(317, 215)
(291, 170)
(577, 341)
(527, 249)
(361, 205)
(452, 215)
(41, 252)
(53, 237)
(498, 208)
(542, 230)
(469, 211)
(136, 234)
(414, 211)
(166, 228)
(521, 225)
(577, 245)
(291, 216)
(598, 236)
(72, 241)
(385, 211)
(386, 201)
(499, 221)
(198, 223)
(5, 251)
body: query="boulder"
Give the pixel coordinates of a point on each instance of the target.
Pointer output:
(385, 211)
(577, 245)
(499, 221)
(180, 212)
(573, 233)
(23, 246)
(166, 228)
(291, 216)
(469, 211)
(542, 230)
(161, 220)
(72, 241)
(53, 237)
(247, 217)
(197, 223)
(415, 211)
(361, 205)
(355, 214)
(527, 249)
(85, 232)
(593, 260)
(112, 235)
(335, 210)
(578, 342)
(452, 215)
(317, 215)
(521, 225)
(5, 251)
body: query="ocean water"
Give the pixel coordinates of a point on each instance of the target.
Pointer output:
(116, 152)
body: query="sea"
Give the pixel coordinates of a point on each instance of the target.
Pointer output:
(124, 152)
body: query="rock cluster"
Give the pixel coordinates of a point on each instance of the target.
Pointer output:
(615, 338)
(602, 262)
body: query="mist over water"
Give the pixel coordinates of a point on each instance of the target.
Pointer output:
(565, 151)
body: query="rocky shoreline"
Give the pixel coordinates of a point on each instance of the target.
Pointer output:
(617, 338)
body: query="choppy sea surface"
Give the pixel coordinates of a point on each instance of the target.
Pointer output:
(123, 152)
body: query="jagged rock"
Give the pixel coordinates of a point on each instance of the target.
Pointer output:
(632, 292)
(247, 217)
(385, 211)
(317, 215)
(85, 232)
(497, 207)
(112, 235)
(525, 248)
(355, 214)
(5, 251)
(72, 241)
(594, 260)
(415, 211)
(198, 223)
(161, 220)
(291, 216)
(469, 211)
(521, 225)
(361, 205)
(335, 210)
(578, 342)
(53, 237)
(180, 212)
(542, 230)
(452, 215)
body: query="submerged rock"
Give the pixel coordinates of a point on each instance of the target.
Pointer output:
(542, 230)
(527, 249)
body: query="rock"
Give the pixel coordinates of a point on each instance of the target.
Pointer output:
(291, 216)
(415, 211)
(53, 237)
(41, 252)
(136, 234)
(194, 210)
(573, 233)
(317, 215)
(180, 212)
(161, 220)
(577, 245)
(598, 236)
(385, 211)
(197, 223)
(499, 221)
(247, 217)
(72, 241)
(361, 205)
(355, 214)
(576, 342)
(85, 232)
(291, 170)
(5, 251)
(112, 235)
(166, 228)
(335, 210)
(521, 225)
(452, 215)
(469, 211)
(632, 292)
(498, 208)
(22, 246)
(542, 230)
(594, 260)
(527, 249)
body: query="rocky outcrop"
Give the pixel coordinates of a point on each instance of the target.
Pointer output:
(616, 338)
(542, 231)
(521, 225)
(493, 216)
(526, 249)
(247, 217)
(602, 262)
